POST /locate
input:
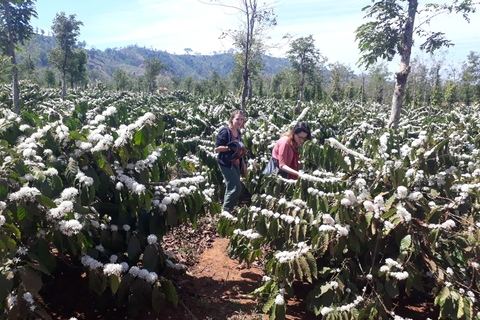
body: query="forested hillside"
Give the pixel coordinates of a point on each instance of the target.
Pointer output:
(103, 63)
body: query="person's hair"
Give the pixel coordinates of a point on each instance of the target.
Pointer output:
(234, 113)
(298, 128)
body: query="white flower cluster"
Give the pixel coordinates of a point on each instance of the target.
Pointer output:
(124, 132)
(25, 193)
(377, 206)
(132, 185)
(69, 193)
(208, 193)
(150, 277)
(447, 225)
(113, 269)
(28, 298)
(404, 214)
(70, 227)
(350, 199)
(314, 177)
(90, 262)
(200, 178)
(390, 263)
(286, 256)
(208, 151)
(343, 308)
(60, 211)
(249, 234)
(83, 179)
(152, 239)
(315, 192)
(336, 144)
(228, 216)
(383, 142)
(402, 192)
(341, 231)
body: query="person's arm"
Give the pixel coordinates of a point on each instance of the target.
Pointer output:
(222, 149)
(222, 140)
(289, 170)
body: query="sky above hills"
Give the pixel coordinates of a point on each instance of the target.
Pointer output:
(175, 25)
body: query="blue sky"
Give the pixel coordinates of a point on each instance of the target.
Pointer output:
(173, 25)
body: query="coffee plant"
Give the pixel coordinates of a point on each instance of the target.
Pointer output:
(377, 216)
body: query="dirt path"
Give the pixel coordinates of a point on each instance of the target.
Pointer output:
(217, 287)
(214, 286)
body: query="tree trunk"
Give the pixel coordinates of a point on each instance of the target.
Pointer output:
(11, 52)
(64, 84)
(402, 75)
(245, 88)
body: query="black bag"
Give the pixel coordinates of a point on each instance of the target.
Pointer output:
(272, 167)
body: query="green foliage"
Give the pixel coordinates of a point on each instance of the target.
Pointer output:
(96, 188)
(379, 217)
(63, 57)
(392, 28)
(153, 67)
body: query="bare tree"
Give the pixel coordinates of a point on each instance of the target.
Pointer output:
(256, 20)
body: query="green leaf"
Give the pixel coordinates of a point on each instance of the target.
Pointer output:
(74, 135)
(389, 202)
(442, 297)
(97, 282)
(6, 284)
(140, 137)
(45, 201)
(312, 264)
(389, 213)
(169, 289)
(22, 212)
(134, 248)
(150, 257)
(114, 283)
(441, 144)
(158, 299)
(391, 289)
(305, 269)
(406, 243)
(297, 269)
(268, 305)
(262, 226)
(30, 279)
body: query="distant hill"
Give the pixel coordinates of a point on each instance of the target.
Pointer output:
(103, 63)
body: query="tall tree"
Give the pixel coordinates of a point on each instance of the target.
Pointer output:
(121, 79)
(77, 71)
(392, 31)
(471, 77)
(378, 82)
(66, 30)
(305, 60)
(256, 20)
(49, 77)
(340, 76)
(15, 28)
(153, 67)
